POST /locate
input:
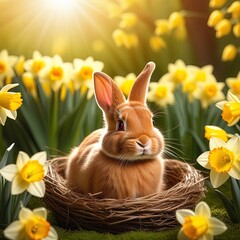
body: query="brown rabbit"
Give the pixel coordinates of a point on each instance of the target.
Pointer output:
(124, 158)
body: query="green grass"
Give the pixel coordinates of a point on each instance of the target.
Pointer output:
(211, 198)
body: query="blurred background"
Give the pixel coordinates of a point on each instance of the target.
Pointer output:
(81, 28)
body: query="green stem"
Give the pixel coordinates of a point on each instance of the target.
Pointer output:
(53, 124)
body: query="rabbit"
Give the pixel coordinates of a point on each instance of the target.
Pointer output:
(123, 159)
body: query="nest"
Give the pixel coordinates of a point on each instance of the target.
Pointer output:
(155, 212)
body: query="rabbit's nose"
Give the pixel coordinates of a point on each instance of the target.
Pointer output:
(143, 141)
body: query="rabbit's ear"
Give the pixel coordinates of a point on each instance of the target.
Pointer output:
(107, 93)
(140, 87)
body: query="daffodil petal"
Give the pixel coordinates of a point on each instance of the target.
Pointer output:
(52, 235)
(181, 235)
(3, 116)
(182, 213)
(9, 172)
(233, 144)
(41, 212)
(220, 104)
(235, 121)
(217, 179)
(206, 236)
(18, 185)
(231, 97)
(215, 143)
(13, 231)
(203, 160)
(22, 159)
(8, 87)
(40, 156)
(24, 214)
(37, 189)
(202, 209)
(11, 114)
(235, 170)
(216, 226)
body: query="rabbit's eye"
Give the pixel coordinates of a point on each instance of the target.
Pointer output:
(120, 125)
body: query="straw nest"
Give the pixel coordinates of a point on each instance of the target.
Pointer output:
(155, 212)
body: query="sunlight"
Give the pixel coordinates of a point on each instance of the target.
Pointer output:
(64, 5)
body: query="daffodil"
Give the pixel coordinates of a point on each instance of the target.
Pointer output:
(125, 83)
(215, 17)
(9, 103)
(119, 37)
(82, 74)
(175, 20)
(37, 63)
(6, 65)
(217, 3)
(30, 83)
(222, 160)
(56, 73)
(236, 30)
(162, 27)
(199, 225)
(234, 85)
(161, 93)
(177, 73)
(128, 20)
(229, 52)
(215, 131)
(19, 66)
(157, 43)
(223, 28)
(209, 92)
(230, 109)
(234, 9)
(32, 225)
(27, 174)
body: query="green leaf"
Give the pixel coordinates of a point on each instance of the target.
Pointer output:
(5, 156)
(228, 206)
(236, 196)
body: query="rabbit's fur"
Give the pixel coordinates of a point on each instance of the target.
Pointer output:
(124, 158)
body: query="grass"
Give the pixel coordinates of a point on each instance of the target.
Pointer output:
(211, 198)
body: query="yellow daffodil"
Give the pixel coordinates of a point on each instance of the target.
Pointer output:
(234, 9)
(209, 92)
(32, 225)
(236, 30)
(229, 53)
(6, 65)
(157, 43)
(234, 85)
(175, 20)
(125, 83)
(37, 63)
(161, 27)
(222, 160)
(216, 3)
(128, 20)
(199, 225)
(177, 72)
(230, 109)
(9, 103)
(215, 17)
(56, 73)
(82, 74)
(214, 131)
(27, 174)
(223, 28)
(161, 93)
(30, 83)
(119, 37)
(19, 67)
